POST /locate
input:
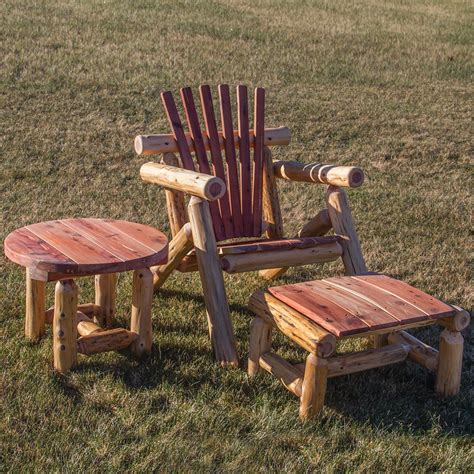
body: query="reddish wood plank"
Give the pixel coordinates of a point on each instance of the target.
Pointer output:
(374, 316)
(398, 308)
(27, 249)
(229, 147)
(177, 130)
(72, 243)
(321, 310)
(216, 157)
(244, 154)
(196, 135)
(426, 303)
(259, 129)
(109, 238)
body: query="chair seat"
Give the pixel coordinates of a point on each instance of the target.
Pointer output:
(76, 247)
(345, 306)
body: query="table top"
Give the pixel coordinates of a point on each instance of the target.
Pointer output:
(359, 304)
(77, 247)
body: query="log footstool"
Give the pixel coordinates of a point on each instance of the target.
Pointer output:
(65, 249)
(316, 314)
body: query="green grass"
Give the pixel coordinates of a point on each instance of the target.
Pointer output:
(385, 85)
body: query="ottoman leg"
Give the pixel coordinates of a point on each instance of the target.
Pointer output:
(64, 326)
(448, 376)
(35, 308)
(105, 292)
(142, 298)
(314, 386)
(260, 342)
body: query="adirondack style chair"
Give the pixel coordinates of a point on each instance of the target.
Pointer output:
(234, 197)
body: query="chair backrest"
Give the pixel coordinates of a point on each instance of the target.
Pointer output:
(239, 212)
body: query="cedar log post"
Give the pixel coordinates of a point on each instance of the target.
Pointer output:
(35, 308)
(64, 326)
(314, 386)
(217, 307)
(105, 294)
(259, 343)
(142, 298)
(448, 376)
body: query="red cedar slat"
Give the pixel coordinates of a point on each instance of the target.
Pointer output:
(398, 308)
(259, 129)
(196, 135)
(429, 305)
(216, 157)
(374, 316)
(244, 154)
(177, 130)
(71, 243)
(321, 310)
(114, 241)
(27, 249)
(232, 174)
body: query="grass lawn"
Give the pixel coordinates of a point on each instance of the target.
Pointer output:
(384, 85)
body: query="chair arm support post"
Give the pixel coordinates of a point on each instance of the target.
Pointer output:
(346, 176)
(201, 185)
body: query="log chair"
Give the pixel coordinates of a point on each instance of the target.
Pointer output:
(236, 197)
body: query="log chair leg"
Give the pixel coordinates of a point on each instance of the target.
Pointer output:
(448, 375)
(210, 271)
(314, 386)
(142, 298)
(64, 326)
(181, 244)
(35, 308)
(105, 294)
(259, 343)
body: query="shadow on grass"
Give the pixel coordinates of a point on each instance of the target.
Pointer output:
(397, 398)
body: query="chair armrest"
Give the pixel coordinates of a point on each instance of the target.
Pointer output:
(198, 184)
(348, 176)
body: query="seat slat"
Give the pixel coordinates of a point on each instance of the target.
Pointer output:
(177, 129)
(426, 303)
(259, 128)
(244, 154)
(374, 316)
(216, 156)
(321, 310)
(395, 306)
(196, 134)
(232, 174)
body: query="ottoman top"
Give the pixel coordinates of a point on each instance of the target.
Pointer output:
(361, 304)
(76, 247)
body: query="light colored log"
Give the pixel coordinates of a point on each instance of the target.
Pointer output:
(448, 375)
(86, 325)
(343, 225)
(64, 326)
(217, 307)
(282, 370)
(35, 307)
(259, 343)
(458, 322)
(293, 324)
(89, 309)
(420, 352)
(286, 258)
(108, 340)
(179, 246)
(175, 205)
(349, 176)
(142, 298)
(198, 184)
(105, 296)
(165, 143)
(313, 390)
(318, 226)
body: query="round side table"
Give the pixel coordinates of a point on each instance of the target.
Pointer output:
(62, 250)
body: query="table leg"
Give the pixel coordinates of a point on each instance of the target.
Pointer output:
(35, 308)
(142, 298)
(105, 295)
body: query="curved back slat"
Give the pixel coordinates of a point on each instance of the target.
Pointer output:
(258, 163)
